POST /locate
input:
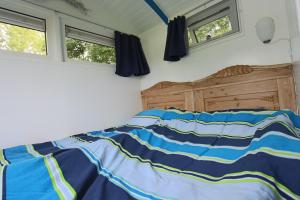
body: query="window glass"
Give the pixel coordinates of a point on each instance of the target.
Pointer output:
(88, 46)
(213, 29)
(87, 51)
(22, 33)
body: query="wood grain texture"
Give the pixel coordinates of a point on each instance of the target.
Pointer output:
(237, 87)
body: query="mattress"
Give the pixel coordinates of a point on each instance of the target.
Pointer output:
(164, 154)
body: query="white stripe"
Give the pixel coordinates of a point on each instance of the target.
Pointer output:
(142, 121)
(215, 158)
(271, 133)
(240, 130)
(58, 180)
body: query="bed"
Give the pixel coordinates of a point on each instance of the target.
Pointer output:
(176, 153)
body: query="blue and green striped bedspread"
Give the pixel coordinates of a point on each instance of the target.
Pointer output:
(164, 154)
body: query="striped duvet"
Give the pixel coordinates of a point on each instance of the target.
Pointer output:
(164, 154)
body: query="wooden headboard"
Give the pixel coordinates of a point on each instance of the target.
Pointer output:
(237, 87)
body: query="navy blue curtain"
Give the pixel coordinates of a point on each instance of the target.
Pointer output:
(130, 58)
(176, 40)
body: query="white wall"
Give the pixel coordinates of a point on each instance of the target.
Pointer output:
(242, 49)
(43, 100)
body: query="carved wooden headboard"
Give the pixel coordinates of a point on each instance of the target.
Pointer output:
(237, 87)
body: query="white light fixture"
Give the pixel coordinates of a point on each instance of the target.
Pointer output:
(265, 29)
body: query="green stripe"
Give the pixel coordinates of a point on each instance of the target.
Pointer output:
(66, 183)
(186, 173)
(59, 193)
(30, 149)
(2, 158)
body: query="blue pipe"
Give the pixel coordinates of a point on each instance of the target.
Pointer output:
(157, 10)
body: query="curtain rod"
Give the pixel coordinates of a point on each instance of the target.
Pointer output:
(85, 20)
(199, 6)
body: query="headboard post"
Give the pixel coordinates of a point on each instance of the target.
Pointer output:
(237, 87)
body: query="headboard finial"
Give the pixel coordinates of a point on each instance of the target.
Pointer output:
(233, 71)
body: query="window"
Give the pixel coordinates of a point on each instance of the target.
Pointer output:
(212, 23)
(22, 33)
(83, 45)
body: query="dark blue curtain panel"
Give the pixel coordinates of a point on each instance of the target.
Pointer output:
(176, 42)
(130, 57)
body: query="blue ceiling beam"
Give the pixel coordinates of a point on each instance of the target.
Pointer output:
(157, 10)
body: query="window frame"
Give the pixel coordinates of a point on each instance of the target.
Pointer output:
(21, 24)
(109, 43)
(212, 13)
(84, 26)
(27, 27)
(50, 35)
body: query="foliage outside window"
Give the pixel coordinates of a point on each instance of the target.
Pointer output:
(87, 51)
(22, 33)
(212, 23)
(88, 46)
(213, 29)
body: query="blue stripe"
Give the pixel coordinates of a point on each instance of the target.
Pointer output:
(110, 175)
(22, 182)
(157, 10)
(17, 154)
(45, 148)
(251, 118)
(84, 177)
(271, 141)
(216, 140)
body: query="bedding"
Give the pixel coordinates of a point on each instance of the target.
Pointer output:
(164, 154)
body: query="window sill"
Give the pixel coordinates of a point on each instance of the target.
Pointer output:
(12, 55)
(84, 62)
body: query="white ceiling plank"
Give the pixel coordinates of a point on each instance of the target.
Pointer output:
(131, 16)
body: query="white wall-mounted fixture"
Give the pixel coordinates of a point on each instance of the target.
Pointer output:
(265, 29)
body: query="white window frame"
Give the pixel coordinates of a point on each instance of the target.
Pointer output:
(15, 18)
(298, 13)
(53, 52)
(81, 25)
(212, 13)
(87, 36)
